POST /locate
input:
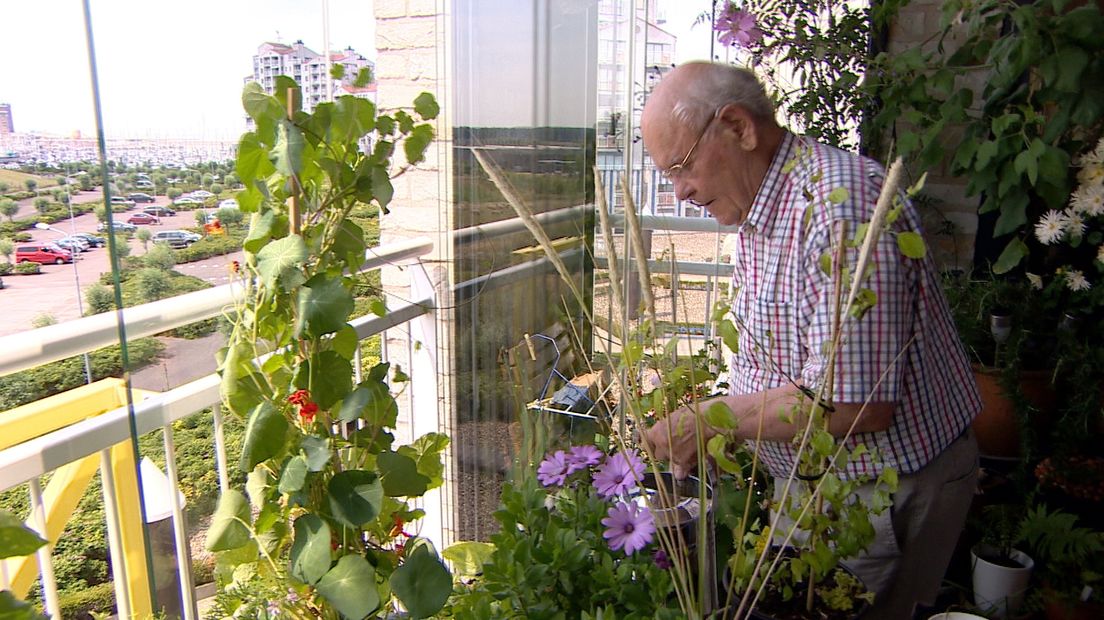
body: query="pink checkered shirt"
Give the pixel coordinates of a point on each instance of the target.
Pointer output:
(784, 302)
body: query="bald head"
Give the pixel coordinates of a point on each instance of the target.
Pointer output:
(690, 93)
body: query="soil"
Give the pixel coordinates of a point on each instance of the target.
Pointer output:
(1000, 560)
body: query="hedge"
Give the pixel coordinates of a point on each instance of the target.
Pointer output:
(78, 604)
(6, 268)
(211, 245)
(28, 269)
(37, 383)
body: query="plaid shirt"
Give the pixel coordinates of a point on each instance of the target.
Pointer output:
(784, 311)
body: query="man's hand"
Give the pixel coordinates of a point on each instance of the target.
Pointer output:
(675, 438)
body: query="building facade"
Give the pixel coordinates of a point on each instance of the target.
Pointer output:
(308, 68)
(6, 124)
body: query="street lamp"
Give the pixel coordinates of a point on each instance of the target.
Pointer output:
(80, 302)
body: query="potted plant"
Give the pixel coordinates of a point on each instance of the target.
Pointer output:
(1000, 572)
(1071, 561)
(325, 526)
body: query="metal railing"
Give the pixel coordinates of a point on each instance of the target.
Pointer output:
(27, 462)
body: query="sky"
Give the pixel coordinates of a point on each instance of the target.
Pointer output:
(175, 69)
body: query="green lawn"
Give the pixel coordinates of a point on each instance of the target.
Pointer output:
(16, 180)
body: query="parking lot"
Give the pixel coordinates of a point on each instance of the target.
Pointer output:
(54, 291)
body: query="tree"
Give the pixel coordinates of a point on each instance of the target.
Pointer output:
(31, 184)
(231, 180)
(4, 187)
(86, 183)
(151, 284)
(230, 217)
(144, 235)
(216, 189)
(61, 180)
(174, 192)
(8, 208)
(41, 205)
(122, 245)
(161, 257)
(206, 180)
(101, 213)
(99, 299)
(6, 248)
(43, 320)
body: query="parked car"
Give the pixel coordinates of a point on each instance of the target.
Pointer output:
(93, 240)
(122, 202)
(187, 200)
(229, 203)
(118, 226)
(175, 238)
(143, 218)
(202, 194)
(76, 245)
(42, 254)
(140, 197)
(159, 211)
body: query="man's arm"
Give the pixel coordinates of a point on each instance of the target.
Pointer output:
(769, 415)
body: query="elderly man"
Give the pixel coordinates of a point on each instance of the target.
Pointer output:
(710, 128)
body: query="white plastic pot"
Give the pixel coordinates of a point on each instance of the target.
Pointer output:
(999, 590)
(956, 615)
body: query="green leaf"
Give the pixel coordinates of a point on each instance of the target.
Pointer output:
(716, 449)
(262, 227)
(400, 475)
(283, 85)
(337, 71)
(911, 244)
(363, 77)
(426, 106)
(264, 436)
(352, 118)
(280, 261)
(865, 299)
(345, 342)
(729, 335)
(825, 262)
(253, 161)
(355, 497)
(324, 306)
(422, 583)
(328, 376)
(260, 105)
(381, 187)
(350, 587)
(256, 487)
(228, 525)
(1072, 61)
(317, 450)
(12, 608)
(467, 558)
(17, 539)
(372, 401)
(1013, 253)
(720, 416)
(377, 307)
(1013, 215)
(385, 125)
(838, 196)
(349, 244)
(426, 452)
(287, 154)
(309, 560)
(822, 443)
(294, 475)
(985, 154)
(1026, 162)
(415, 144)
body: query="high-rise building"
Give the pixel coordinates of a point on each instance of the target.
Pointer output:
(308, 68)
(6, 124)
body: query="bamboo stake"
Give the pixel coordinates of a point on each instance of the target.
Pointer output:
(632, 228)
(293, 209)
(611, 251)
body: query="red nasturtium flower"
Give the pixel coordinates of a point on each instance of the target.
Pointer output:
(307, 407)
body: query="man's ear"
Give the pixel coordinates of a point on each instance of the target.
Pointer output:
(743, 127)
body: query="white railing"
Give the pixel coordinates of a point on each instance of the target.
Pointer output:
(27, 462)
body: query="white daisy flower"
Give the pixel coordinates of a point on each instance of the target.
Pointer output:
(1051, 228)
(1091, 174)
(1096, 156)
(1037, 281)
(1088, 199)
(1075, 224)
(1076, 281)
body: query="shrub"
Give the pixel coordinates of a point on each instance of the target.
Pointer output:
(79, 604)
(173, 193)
(212, 245)
(99, 299)
(6, 268)
(160, 257)
(150, 284)
(27, 269)
(44, 319)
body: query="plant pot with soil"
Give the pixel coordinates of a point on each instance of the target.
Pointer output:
(1000, 579)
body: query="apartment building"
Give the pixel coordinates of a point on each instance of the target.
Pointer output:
(6, 124)
(308, 68)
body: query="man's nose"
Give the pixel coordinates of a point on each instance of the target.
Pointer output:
(683, 190)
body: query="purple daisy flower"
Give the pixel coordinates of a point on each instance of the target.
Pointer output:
(619, 474)
(661, 560)
(553, 469)
(738, 27)
(582, 457)
(629, 526)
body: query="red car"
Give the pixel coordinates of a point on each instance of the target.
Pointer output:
(143, 218)
(42, 254)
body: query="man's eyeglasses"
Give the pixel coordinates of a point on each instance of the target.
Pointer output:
(679, 169)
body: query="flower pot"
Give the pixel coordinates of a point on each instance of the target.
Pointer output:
(999, 589)
(956, 615)
(1058, 609)
(996, 425)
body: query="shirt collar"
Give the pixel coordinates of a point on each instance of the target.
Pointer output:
(764, 209)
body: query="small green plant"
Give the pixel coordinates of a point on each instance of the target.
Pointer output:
(28, 269)
(144, 235)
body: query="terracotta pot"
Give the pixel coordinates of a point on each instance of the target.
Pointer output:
(996, 426)
(1056, 608)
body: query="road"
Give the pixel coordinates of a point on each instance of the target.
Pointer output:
(54, 291)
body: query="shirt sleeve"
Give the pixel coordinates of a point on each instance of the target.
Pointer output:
(870, 360)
